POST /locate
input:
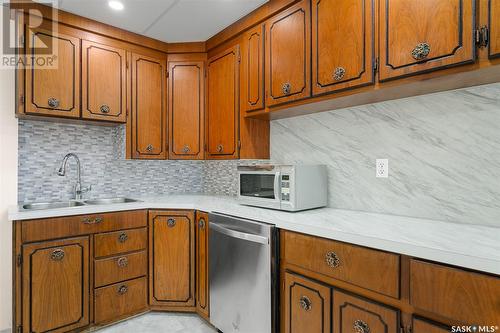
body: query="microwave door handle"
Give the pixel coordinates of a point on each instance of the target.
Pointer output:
(277, 185)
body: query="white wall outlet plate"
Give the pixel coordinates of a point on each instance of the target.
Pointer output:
(382, 167)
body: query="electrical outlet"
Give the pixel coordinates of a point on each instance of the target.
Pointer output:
(382, 167)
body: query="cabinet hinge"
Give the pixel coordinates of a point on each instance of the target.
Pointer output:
(19, 329)
(482, 36)
(19, 259)
(375, 65)
(21, 99)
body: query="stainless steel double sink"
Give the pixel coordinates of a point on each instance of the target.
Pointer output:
(75, 203)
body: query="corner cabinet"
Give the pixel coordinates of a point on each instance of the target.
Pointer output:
(494, 26)
(172, 261)
(409, 42)
(223, 104)
(202, 287)
(148, 111)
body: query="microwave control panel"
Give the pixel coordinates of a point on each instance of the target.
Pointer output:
(285, 187)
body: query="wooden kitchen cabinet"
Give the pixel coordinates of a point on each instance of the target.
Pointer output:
(55, 285)
(104, 73)
(172, 263)
(202, 287)
(342, 44)
(418, 36)
(252, 64)
(223, 104)
(186, 100)
(494, 27)
(424, 326)
(288, 55)
(306, 305)
(149, 112)
(53, 90)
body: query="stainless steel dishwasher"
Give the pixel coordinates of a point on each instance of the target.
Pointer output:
(242, 275)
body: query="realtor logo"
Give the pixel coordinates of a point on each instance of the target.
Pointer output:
(474, 329)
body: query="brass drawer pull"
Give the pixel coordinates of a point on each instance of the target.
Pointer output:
(149, 148)
(305, 303)
(186, 149)
(123, 237)
(332, 259)
(57, 255)
(286, 88)
(339, 73)
(104, 109)
(201, 223)
(361, 327)
(53, 102)
(122, 290)
(421, 51)
(88, 220)
(220, 148)
(122, 262)
(171, 222)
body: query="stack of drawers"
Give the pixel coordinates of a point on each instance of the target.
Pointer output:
(120, 274)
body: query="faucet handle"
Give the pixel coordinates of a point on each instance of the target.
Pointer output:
(86, 189)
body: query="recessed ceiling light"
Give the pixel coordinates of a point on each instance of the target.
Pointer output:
(116, 5)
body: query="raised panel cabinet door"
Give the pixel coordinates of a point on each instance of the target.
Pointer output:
(306, 305)
(186, 109)
(418, 36)
(55, 285)
(355, 314)
(288, 55)
(53, 82)
(342, 44)
(202, 264)
(104, 71)
(252, 54)
(172, 258)
(494, 24)
(223, 104)
(149, 112)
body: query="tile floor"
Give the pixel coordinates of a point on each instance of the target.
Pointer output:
(155, 322)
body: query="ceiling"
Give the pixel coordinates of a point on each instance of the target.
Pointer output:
(166, 20)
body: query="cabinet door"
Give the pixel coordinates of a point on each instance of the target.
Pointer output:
(342, 44)
(222, 101)
(425, 326)
(252, 53)
(306, 305)
(171, 253)
(288, 55)
(55, 285)
(494, 24)
(103, 82)
(53, 90)
(418, 36)
(186, 109)
(149, 116)
(202, 263)
(352, 313)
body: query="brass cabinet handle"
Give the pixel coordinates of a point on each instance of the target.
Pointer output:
(305, 303)
(53, 102)
(122, 289)
(123, 237)
(287, 88)
(220, 148)
(57, 255)
(122, 262)
(104, 108)
(186, 149)
(332, 259)
(201, 223)
(149, 148)
(361, 327)
(421, 51)
(171, 222)
(338, 73)
(88, 220)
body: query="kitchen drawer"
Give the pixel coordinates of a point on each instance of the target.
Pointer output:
(122, 241)
(464, 296)
(69, 226)
(120, 268)
(355, 314)
(367, 268)
(120, 300)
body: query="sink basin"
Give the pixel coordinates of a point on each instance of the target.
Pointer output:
(108, 201)
(52, 205)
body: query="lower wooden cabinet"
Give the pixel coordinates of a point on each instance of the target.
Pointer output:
(55, 285)
(494, 25)
(424, 326)
(202, 287)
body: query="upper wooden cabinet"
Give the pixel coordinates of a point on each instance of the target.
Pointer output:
(288, 56)
(186, 109)
(149, 112)
(223, 104)
(418, 36)
(53, 90)
(103, 82)
(342, 44)
(252, 64)
(494, 25)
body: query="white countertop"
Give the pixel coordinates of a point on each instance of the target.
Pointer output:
(466, 245)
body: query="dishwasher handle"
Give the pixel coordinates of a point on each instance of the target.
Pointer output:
(238, 234)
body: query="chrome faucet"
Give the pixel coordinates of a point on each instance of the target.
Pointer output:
(78, 186)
